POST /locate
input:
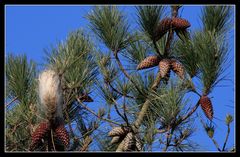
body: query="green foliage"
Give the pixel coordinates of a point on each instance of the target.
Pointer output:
(106, 67)
(216, 18)
(167, 104)
(148, 18)
(136, 52)
(187, 54)
(212, 61)
(144, 83)
(20, 77)
(109, 24)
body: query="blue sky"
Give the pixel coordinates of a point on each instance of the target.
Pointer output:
(30, 29)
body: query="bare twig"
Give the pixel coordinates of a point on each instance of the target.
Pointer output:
(216, 144)
(14, 99)
(226, 139)
(53, 140)
(118, 112)
(124, 110)
(91, 111)
(117, 91)
(188, 114)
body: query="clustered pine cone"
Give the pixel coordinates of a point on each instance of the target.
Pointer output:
(165, 65)
(162, 28)
(39, 134)
(42, 132)
(178, 68)
(165, 25)
(62, 134)
(180, 23)
(128, 141)
(148, 62)
(206, 106)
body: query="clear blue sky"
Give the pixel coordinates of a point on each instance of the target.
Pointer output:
(30, 29)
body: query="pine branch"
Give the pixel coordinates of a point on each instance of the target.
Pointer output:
(126, 73)
(216, 18)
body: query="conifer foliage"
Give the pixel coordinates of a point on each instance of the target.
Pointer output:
(114, 88)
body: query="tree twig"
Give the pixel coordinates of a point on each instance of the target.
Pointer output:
(118, 112)
(226, 139)
(14, 99)
(216, 144)
(54, 148)
(188, 115)
(91, 111)
(117, 91)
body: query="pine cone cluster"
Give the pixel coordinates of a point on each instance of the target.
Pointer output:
(42, 135)
(128, 141)
(165, 25)
(206, 106)
(165, 66)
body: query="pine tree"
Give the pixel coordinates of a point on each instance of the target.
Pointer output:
(135, 106)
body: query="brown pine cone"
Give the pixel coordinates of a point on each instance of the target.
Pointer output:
(207, 107)
(164, 65)
(40, 133)
(115, 139)
(162, 28)
(180, 23)
(178, 68)
(118, 131)
(148, 62)
(62, 134)
(129, 142)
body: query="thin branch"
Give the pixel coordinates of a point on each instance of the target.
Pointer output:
(53, 140)
(169, 138)
(216, 144)
(91, 111)
(11, 101)
(189, 114)
(117, 91)
(118, 112)
(226, 139)
(124, 110)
